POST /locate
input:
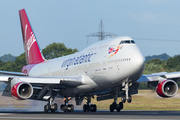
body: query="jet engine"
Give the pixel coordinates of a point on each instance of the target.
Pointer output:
(167, 88)
(22, 90)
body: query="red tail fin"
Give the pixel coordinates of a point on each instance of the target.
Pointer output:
(32, 51)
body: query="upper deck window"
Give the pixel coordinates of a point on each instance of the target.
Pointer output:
(127, 42)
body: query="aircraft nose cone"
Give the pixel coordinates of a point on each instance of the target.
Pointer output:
(138, 61)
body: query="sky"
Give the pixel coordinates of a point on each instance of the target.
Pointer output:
(153, 24)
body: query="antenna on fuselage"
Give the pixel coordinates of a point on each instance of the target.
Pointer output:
(101, 34)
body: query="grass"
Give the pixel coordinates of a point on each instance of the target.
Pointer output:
(145, 100)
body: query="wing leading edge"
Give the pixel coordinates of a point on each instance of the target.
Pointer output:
(159, 77)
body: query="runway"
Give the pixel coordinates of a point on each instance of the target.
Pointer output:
(99, 115)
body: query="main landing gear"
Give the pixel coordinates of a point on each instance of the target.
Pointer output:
(124, 97)
(114, 105)
(88, 107)
(67, 107)
(50, 106)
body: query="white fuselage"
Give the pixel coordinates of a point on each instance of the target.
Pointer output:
(107, 63)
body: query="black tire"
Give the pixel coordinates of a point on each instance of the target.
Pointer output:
(46, 108)
(129, 100)
(118, 109)
(55, 106)
(64, 108)
(111, 108)
(93, 108)
(114, 105)
(121, 105)
(86, 108)
(71, 108)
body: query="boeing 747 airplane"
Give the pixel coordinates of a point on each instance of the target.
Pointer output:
(108, 69)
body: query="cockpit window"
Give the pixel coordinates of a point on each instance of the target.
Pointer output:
(132, 41)
(127, 42)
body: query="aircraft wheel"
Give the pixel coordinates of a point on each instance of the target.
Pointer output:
(70, 108)
(86, 108)
(118, 108)
(46, 108)
(121, 105)
(93, 108)
(129, 99)
(114, 105)
(54, 107)
(64, 108)
(111, 108)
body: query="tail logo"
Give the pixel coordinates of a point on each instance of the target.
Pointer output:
(29, 42)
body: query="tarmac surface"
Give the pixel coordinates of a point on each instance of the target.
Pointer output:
(99, 115)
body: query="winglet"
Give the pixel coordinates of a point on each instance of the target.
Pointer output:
(32, 50)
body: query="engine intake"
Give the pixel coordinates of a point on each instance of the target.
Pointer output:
(22, 90)
(167, 88)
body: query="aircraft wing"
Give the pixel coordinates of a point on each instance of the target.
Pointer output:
(36, 88)
(59, 80)
(159, 77)
(165, 83)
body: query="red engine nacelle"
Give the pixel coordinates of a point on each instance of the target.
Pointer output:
(22, 90)
(167, 88)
